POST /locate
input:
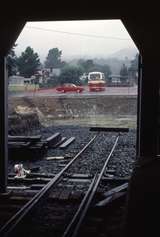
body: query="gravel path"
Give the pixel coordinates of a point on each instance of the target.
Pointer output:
(123, 157)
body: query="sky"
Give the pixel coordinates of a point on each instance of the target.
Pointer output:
(96, 38)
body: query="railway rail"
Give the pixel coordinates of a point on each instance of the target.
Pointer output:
(9, 226)
(44, 186)
(74, 227)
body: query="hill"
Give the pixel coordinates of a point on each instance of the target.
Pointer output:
(122, 54)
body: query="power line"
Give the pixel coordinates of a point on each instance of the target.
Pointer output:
(78, 34)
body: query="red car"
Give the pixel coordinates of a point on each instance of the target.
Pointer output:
(69, 87)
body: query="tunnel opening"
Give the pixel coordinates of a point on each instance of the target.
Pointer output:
(40, 114)
(58, 92)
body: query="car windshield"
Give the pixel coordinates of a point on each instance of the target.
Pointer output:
(95, 76)
(70, 85)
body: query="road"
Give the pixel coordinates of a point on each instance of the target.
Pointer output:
(53, 92)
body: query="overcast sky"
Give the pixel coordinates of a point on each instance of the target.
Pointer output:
(97, 38)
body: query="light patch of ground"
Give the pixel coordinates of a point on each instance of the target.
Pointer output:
(99, 120)
(23, 109)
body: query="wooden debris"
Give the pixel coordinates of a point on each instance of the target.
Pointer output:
(108, 129)
(26, 150)
(61, 165)
(41, 175)
(60, 142)
(53, 140)
(80, 176)
(110, 171)
(25, 193)
(29, 147)
(21, 188)
(109, 175)
(35, 175)
(19, 199)
(67, 143)
(28, 180)
(118, 180)
(37, 145)
(113, 194)
(14, 145)
(74, 180)
(120, 188)
(110, 199)
(24, 138)
(68, 156)
(55, 158)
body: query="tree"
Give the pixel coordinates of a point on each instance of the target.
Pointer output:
(134, 63)
(133, 69)
(87, 65)
(124, 72)
(11, 61)
(70, 74)
(53, 59)
(28, 62)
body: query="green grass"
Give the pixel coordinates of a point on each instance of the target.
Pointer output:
(17, 88)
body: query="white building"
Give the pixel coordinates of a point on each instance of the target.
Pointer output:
(19, 81)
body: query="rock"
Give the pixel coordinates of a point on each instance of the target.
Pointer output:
(23, 123)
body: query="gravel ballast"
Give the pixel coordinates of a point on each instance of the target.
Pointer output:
(52, 218)
(123, 156)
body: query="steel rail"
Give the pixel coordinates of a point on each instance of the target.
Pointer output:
(74, 226)
(15, 220)
(74, 221)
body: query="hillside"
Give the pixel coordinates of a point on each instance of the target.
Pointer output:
(122, 54)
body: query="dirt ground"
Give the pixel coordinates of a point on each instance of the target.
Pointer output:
(104, 110)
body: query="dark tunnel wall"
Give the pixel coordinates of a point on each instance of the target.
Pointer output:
(142, 24)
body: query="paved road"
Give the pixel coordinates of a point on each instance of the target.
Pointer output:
(52, 92)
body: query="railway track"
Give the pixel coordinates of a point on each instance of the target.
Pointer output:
(53, 191)
(10, 224)
(73, 228)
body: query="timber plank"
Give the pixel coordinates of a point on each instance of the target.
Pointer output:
(67, 143)
(53, 140)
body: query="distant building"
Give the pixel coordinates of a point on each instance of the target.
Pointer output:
(56, 71)
(19, 81)
(118, 80)
(53, 72)
(114, 78)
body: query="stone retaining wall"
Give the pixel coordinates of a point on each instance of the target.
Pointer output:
(79, 106)
(29, 113)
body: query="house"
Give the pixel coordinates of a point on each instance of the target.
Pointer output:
(19, 81)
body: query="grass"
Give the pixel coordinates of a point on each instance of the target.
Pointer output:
(99, 120)
(23, 88)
